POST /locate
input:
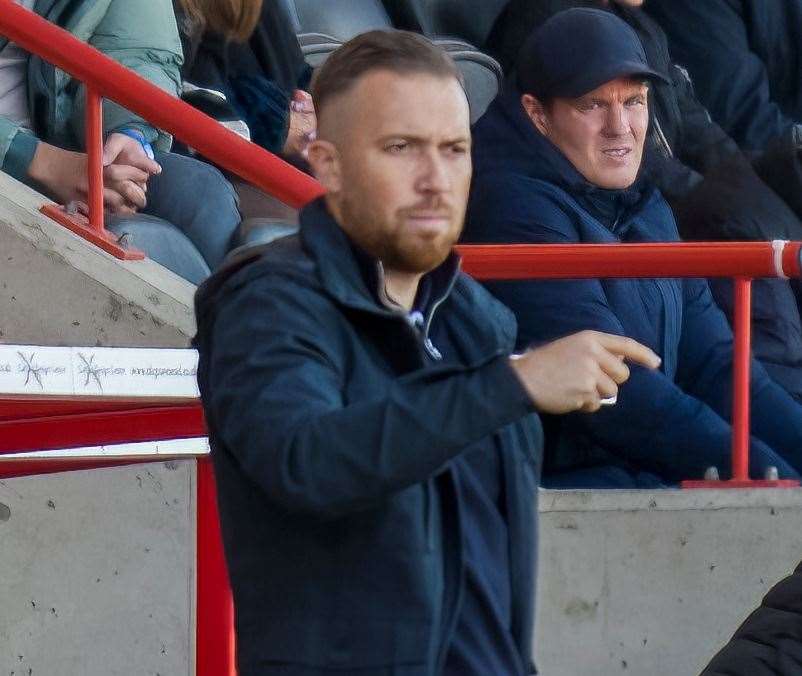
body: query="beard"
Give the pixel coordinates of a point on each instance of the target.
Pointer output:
(387, 238)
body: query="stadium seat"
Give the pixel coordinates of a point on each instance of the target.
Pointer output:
(467, 21)
(323, 25)
(319, 21)
(482, 73)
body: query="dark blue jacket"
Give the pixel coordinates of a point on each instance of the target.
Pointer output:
(332, 431)
(745, 58)
(673, 422)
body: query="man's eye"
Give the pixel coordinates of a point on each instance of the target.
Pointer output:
(637, 101)
(459, 149)
(398, 147)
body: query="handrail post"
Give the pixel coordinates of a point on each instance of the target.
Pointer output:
(742, 329)
(94, 153)
(93, 228)
(215, 648)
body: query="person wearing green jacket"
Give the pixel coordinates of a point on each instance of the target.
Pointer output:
(150, 193)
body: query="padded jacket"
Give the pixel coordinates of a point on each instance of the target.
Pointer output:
(745, 57)
(332, 424)
(140, 34)
(769, 642)
(673, 422)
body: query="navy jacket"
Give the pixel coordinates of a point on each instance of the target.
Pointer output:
(673, 422)
(332, 428)
(745, 57)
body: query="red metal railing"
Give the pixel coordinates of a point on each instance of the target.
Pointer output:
(104, 77)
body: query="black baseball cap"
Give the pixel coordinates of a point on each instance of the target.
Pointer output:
(578, 50)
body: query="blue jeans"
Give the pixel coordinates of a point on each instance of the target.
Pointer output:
(199, 214)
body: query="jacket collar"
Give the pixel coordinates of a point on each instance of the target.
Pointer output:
(355, 279)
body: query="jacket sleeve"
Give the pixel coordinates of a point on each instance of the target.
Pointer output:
(705, 144)
(654, 423)
(276, 398)
(17, 148)
(706, 371)
(730, 78)
(143, 36)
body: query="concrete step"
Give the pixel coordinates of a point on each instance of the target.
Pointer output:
(56, 289)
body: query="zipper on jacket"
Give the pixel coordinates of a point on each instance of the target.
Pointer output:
(415, 319)
(428, 345)
(661, 138)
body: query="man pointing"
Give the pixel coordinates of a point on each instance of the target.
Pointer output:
(375, 447)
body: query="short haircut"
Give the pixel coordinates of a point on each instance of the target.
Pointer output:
(398, 51)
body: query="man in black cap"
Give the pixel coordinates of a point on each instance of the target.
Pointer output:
(557, 159)
(713, 188)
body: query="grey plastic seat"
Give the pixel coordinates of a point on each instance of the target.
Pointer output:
(323, 24)
(467, 20)
(482, 73)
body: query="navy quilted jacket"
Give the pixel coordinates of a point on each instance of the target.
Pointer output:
(674, 422)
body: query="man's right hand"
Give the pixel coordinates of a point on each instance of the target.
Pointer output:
(64, 175)
(577, 372)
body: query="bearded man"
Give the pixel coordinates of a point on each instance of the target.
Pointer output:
(376, 449)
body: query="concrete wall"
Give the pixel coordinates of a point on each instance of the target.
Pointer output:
(653, 584)
(98, 573)
(55, 289)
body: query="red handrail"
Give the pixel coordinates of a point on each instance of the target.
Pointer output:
(592, 261)
(105, 77)
(111, 80)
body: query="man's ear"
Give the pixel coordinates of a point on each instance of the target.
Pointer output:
(536, 112)
(324, 158)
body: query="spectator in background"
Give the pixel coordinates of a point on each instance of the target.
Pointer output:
(557, 159)
(42, 136)
(715, 192)
(745, 57)
(375, 447)
(247, 50)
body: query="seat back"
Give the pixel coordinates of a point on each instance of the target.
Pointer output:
(483, 77)
(470, 21)
(338, 20)
(482, 73)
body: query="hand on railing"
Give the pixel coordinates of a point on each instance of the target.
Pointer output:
(63, 174)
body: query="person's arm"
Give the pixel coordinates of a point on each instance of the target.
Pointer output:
(141, 35)
(705, 369)
(276, 398)
(654, 423)
(710, 39)
(273, 379)
(705, 144)
(62, 174)
(17, 149)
